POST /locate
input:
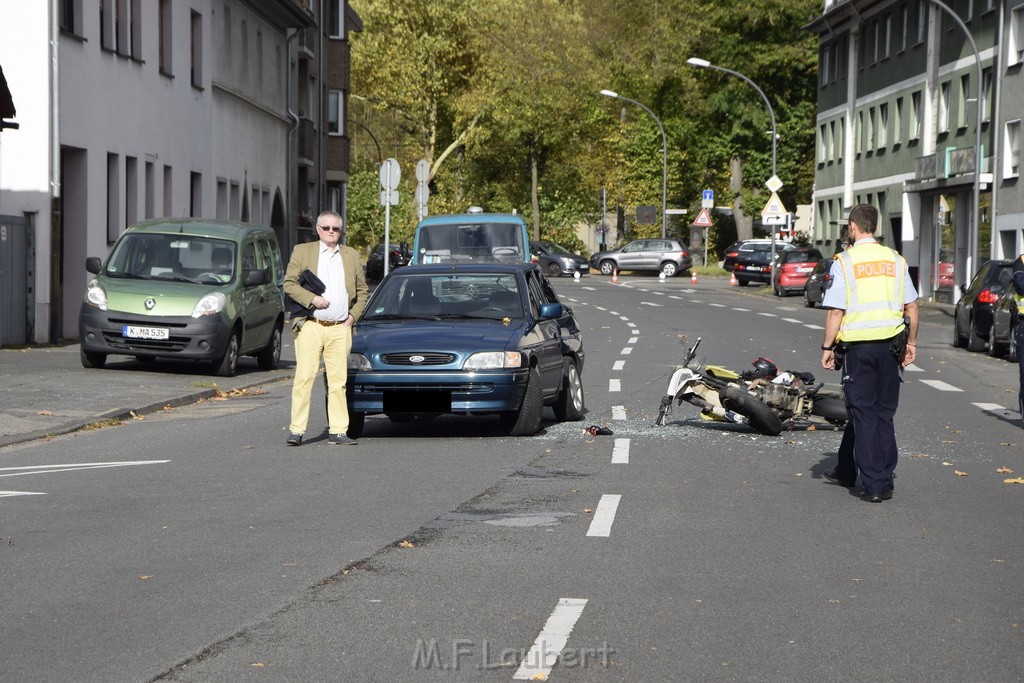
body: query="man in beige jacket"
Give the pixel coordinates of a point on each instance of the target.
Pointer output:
(327, 331)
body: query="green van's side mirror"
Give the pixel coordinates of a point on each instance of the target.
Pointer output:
(93, 264)
(254, 278)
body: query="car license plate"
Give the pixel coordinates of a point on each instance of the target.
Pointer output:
(136, 332)
(805, 269)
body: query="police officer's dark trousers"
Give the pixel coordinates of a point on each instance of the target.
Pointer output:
(871, 383)
(1020, 366)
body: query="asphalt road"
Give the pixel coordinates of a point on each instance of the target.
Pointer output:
(443, 551)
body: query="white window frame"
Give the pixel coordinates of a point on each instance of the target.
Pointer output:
(821, 144)
(336, 9)
(1011, 142)
(335, 112)
(897, 123)
(914, 131)
(886, 36)
(922, 20)
(869, 143)
(1015, 54)
(831, 144)
(841, 139)
(986, 93)
(904, 28)
(859, 133)
(883, 125)
(943, 114)
(965, 90)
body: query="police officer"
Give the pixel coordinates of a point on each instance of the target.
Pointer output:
(1018, 291)
(873, 315)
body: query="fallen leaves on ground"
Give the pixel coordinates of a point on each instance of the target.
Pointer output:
(588, 510)
(1004, 470)
(947, 463)
(1015, 480)
(406, 544)
(235, 393)
(145, 576)
(45, 412)
(959, 473)
(920, 455)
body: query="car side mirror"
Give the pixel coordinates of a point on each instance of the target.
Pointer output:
(93, 265)
(254, 278)
(550, 311)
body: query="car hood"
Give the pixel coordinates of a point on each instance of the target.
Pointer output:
(169, 298)
(430, 335)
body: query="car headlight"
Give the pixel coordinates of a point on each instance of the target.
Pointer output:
(96, 296)
(211, 304)
(357, 361)
(493, 360)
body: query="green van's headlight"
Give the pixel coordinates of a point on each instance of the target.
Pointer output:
(96, 296)
(211, 304)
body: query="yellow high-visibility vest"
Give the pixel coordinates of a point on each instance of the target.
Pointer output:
(874, 276)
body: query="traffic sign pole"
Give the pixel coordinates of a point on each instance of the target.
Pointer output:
(390, 175)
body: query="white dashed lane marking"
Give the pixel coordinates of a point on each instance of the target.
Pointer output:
(618, 365)
(768, 315)
(940, 385)
(742, 310)
(626, 351)
(794, 320)
(814, 327)
(633, 340)
(615, 385)
(541, 658)
(620, 452)
(604, 516)
(618, 413)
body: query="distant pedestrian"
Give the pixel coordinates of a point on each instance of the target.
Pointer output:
(1018, 288)
(327, 329)
(872, 322)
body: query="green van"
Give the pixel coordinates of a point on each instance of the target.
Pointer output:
(186, 288)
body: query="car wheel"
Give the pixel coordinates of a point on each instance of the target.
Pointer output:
(742, 282)
(995, 349)
(975, 342)
(356, 421)
(93, 360)
(526, 421)
(228, 365)
(570, 405)
(670, 269)
(270, 356)
(807, 300)
(607, 267)
(554, 270)
(958, 339)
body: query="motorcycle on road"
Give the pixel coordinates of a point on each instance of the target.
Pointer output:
(766, 400)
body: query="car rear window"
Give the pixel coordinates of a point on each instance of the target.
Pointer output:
(803, 256)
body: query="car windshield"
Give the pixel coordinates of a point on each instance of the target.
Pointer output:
(558, 249)
(493, 296)
(173, 256)
(448, 243)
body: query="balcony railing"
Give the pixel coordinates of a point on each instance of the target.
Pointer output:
(948, 163)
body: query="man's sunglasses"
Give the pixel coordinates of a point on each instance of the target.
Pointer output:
(331, 228)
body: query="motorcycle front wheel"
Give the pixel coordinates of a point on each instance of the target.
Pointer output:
(761, 417)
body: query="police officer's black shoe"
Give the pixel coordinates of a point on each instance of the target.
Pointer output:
(832, 477)
(876, 497)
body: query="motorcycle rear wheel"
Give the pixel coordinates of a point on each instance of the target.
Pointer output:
(832, 408)
(761, 417)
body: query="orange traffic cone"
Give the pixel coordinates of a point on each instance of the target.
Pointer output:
(733, 280)
(693, 277)
(615, 276)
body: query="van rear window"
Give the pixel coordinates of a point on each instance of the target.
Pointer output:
(445, 243)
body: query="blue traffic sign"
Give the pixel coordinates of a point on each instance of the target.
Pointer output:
(709, 195)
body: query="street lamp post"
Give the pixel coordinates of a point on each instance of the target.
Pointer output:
(664, 158)
(705, 64)
(973, 229)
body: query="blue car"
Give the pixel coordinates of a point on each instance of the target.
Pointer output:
(471, 339)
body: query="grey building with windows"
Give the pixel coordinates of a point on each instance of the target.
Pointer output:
(897, 127)
(137, 109)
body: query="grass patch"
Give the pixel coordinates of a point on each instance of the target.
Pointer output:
(204, 384)
(711, 271)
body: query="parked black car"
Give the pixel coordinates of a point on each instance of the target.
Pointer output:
(755, 265)
(817, 281)
(972, 318)
(1002, 339)
(556, 260)
(400, 256)
(743, 248)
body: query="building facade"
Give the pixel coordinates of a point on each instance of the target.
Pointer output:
(907, 105)
(146, 109)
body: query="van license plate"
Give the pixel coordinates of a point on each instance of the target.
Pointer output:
(145, 332)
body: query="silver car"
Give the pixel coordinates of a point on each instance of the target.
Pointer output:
(666, 256)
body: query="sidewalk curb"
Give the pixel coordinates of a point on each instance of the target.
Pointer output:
(126, 413)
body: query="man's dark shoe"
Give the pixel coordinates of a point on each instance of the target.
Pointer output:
(341, 440)
(831, 476)
(876, 497)
(294, 439)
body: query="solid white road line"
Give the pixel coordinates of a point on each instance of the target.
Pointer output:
(604, 516)
(618, 412)
(618, 365)
(940, 385)
(11, 494)
(47, 469)
(615, 385)
(542, 656)
(620, 452)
